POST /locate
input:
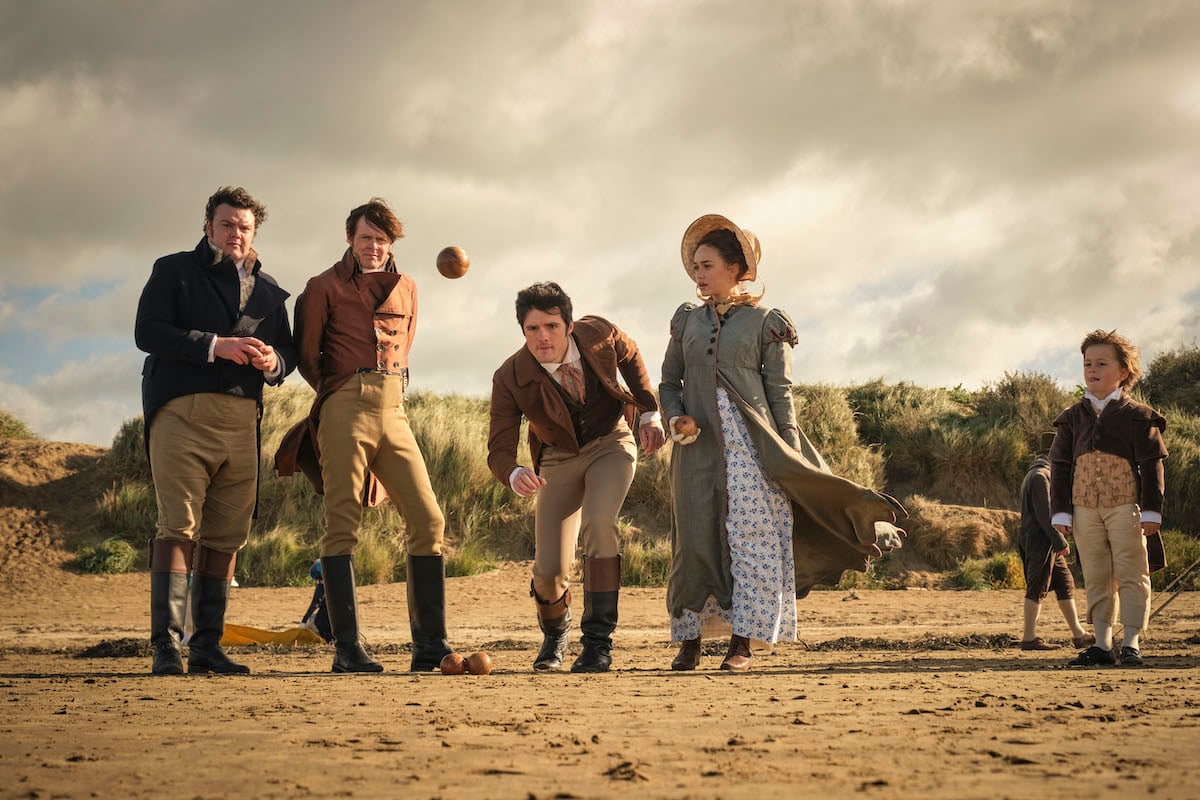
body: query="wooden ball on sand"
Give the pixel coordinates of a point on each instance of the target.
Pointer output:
(452, 262)
(479, 663)
(453, 664)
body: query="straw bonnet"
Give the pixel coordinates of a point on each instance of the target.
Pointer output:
(751, 249)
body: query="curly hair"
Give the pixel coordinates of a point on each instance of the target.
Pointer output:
(1126, 351)
(377, 213)
(237, 197)
(547, 297)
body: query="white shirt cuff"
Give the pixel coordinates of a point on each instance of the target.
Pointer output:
(212, 349)
(649, 418)
(512, 476)
(1061, 518)
(1152, 516)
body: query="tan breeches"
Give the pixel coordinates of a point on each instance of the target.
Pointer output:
(582, 497)
(1112, 552)
(204, 460)
(363, 426)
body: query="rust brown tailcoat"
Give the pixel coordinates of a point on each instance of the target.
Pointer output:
(339, 330)
(522, 387)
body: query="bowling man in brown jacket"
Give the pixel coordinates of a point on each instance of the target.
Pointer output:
(354, 328)
(564, 382)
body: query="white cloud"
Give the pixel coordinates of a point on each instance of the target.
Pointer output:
(944, 191)
(81, 402)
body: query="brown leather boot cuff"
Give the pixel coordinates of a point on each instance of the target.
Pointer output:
(171, 555)
(214, 564)
(549, 610)
(602, 574)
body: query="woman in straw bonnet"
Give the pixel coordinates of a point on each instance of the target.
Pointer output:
(757, 518)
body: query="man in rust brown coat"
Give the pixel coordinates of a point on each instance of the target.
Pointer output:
(564, 382)
(355, 324)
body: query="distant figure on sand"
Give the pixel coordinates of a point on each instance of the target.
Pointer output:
(566, 381)
(1106, 487)
(757, 518)
(1044, 552)
(355, 324)
(216, 329)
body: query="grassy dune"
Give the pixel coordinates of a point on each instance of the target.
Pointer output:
(954, 457)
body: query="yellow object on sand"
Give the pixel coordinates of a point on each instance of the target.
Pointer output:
(242, 635)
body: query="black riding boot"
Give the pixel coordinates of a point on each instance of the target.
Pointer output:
(555, 621)
(210, 596)
(170, 562)
(427, 612)
(342, 605)
(601, 587)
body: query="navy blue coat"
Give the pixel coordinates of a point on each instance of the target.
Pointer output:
(189, 300)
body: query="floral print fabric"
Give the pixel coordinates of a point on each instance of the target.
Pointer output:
(758, 524)
(1103, 480)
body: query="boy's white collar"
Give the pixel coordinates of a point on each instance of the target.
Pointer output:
(1101, 403)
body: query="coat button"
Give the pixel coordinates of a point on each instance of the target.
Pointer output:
(396, 347)
(710, 351)
(395, 363)
(713, 339)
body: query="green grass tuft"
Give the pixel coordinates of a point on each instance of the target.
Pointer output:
(645, 564)
(11, 427)
(113, 555)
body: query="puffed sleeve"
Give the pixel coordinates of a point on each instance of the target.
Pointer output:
(670, 387)
(778, 339)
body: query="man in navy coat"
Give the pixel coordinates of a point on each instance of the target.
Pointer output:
(216, 329)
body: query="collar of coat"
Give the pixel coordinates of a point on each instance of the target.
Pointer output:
(591, 335)
(209, 257)
(346, 268)
(264, 298)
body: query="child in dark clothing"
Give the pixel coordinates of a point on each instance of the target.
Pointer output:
(1106, 478)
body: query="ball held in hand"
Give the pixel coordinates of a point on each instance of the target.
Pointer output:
(686, 426)
(453, 664)
(452, 262)
(479, 663)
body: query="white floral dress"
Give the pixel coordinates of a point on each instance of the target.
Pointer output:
(758, 524)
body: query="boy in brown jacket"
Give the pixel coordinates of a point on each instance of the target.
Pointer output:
(1106, 487)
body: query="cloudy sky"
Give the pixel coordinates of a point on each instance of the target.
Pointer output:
(945, 191)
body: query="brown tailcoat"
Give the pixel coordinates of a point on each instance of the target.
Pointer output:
(522, 387)
(339, 330)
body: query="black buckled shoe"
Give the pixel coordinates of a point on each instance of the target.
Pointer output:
(1094, 657)
(1131, 657)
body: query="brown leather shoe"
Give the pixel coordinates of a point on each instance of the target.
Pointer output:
(688, 656)
(1039, 644)
(1087, 640)
(738, 657)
